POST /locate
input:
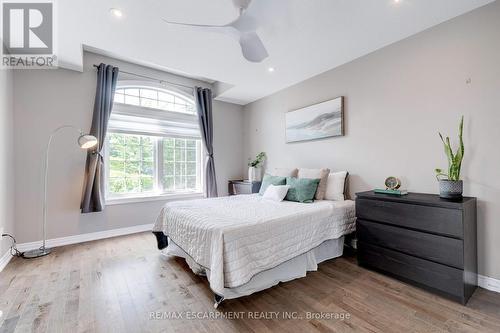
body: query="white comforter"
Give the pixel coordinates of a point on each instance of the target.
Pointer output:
(236, 237)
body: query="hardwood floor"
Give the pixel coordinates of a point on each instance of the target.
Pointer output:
(123, 284)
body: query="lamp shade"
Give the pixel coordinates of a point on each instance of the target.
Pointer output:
(87, 141)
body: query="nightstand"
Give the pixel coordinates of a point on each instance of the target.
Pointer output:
(236, 187)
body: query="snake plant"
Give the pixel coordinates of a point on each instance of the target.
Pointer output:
(454, 160)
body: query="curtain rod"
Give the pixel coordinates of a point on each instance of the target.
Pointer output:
(154, 79)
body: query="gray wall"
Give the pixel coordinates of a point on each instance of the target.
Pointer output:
(46, 99)
(6, 157)
(396, 101)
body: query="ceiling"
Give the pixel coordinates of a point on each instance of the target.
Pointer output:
(303, 37)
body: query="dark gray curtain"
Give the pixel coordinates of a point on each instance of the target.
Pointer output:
(203, 99)
(93, 190)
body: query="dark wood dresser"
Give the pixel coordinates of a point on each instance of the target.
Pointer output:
(236, 187)
(420, 239)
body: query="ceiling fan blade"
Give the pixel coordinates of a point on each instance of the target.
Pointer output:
(252, 47)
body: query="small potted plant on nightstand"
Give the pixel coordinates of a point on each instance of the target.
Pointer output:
(255, 167)
(450, 185)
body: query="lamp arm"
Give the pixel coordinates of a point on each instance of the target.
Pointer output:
(46, 176)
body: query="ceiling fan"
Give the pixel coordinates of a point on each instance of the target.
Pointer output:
(243, 29)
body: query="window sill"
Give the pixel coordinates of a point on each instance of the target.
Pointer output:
(161, 197)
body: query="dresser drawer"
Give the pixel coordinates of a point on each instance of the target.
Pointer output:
(425, 273)
(440, 249)
(438, 220)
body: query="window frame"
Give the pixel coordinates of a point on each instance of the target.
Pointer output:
(158, 193)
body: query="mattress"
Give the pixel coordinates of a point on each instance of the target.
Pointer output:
(234, 238)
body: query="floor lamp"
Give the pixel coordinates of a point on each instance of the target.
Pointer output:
(85, 141)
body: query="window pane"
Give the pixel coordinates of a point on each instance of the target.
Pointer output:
(180, 174)
(180, 154)
(132, 168)
(132, 92)
(168, 183)
(149, 103)
(131, 163)
(168, 142)
(191, 155)
(116, 169)
(132, 185)
(180, 168)
(147, 151)
(154, 98)
(116, 185)
(168, 154)
(168, 169)
(116, 151)
(180, 143)
(180, 182)
(132, 100)
(191, 169)
(147, 183)
(164, 97)
(147, 168)
(149, 93)
(132, 151)
(191, 182)
(179, 108)
(119, 98)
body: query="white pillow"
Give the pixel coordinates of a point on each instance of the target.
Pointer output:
(335, 186)
(276, 192)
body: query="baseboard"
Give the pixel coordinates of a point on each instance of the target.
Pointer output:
(4, 260)
(489, 283)
(55, 242)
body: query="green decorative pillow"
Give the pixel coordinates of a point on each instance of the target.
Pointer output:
(301, 189)
(271, 180)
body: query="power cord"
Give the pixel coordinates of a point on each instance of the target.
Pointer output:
(13, 247)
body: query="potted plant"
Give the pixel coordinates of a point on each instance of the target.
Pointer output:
(450, 185)
(255, 167)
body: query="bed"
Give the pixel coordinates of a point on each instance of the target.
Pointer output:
(244, 243)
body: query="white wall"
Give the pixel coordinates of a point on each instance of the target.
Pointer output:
(397, 99)
(228, 143)
(46, 99)
(6, 158)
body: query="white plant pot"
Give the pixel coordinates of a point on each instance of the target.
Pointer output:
(254, 174)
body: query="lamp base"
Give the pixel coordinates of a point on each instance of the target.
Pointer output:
(43, 251)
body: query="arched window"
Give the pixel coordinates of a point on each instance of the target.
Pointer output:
(153, 144)
(154, 98)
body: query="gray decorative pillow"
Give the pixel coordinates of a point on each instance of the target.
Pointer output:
(271, 180)
(322, 174)
(284, 172)
(301, 189)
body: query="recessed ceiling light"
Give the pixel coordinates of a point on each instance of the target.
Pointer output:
(397, 1)
(270, 69)
(116, 12)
